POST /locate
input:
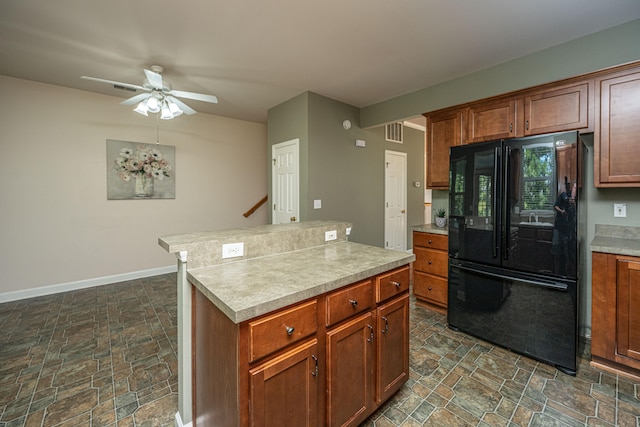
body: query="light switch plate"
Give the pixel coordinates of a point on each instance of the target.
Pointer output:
(620, 210)
(317, 204)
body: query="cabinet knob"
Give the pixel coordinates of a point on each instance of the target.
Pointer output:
(396, 284)
(430, 241)
(289, 330)
(430, 262)
(430, 288)
(353, 302)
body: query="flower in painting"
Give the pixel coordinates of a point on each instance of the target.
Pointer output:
(141, 161)
(126, 152)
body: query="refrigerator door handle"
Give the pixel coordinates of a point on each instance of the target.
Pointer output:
(505, 225)
(551, 285)
(496, 177)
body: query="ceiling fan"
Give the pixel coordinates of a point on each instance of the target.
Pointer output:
(158, 96)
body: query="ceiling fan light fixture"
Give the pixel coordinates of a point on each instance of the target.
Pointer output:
(153, 106)
(175, 110)
(166, 112)
(141, 108)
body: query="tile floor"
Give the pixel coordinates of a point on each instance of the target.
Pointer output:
(105, 356)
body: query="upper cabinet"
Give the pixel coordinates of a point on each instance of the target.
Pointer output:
(559, 108)
(605, 102)
(493, 120)
(616, 133)
(444, 130)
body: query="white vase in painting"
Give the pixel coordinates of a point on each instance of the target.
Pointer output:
(143, 185)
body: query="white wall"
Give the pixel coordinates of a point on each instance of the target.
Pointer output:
(57, 226)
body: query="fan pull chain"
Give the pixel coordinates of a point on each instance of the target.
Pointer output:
(158, 129)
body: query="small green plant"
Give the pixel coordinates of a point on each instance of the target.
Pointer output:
(441, 213)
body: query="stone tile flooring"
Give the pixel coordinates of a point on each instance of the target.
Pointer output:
(105, 356)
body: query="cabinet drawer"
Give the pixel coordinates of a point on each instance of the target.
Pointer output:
(278, 330)
(434, 289)
(431, 261)
(349, 301)
(428, 240)
(392, 283)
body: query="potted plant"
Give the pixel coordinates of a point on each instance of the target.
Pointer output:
(441, 217)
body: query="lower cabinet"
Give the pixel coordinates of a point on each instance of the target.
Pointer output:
(327, 361)
(615, 322)
(284, 391)
(430, 270)
(350, 351)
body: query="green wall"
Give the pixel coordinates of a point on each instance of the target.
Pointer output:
(600, 50)
(347, 179)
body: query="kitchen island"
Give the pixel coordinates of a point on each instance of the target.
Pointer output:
(298, 329)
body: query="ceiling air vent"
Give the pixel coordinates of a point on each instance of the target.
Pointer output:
(393, 132)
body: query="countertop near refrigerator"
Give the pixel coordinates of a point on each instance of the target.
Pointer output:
(618, 240)
(431, 228)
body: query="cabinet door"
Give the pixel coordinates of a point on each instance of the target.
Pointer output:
(350, 371)
(284, 390)
(616, 133)
(392, 347)
(628, 328)
(494, 120)
(557, 109)
(444, 130)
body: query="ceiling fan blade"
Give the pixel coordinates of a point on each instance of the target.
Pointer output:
(196, 96)
(155, 79)
(111, 82)
(184, 107)
(136, 99)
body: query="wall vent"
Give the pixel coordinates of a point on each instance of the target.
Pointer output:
(393, 132)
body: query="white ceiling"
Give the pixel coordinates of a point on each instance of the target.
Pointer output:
(256, 54)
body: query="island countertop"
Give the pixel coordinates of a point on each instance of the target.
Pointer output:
(249, 288)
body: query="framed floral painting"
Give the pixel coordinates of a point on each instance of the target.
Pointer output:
(140, 171)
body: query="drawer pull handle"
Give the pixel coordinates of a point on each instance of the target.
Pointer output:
(386, 325)
(353, 302)
(370, 339)
(315, 358)
(430, 262)
(290, 330)
(430, 288)
(430, 241)
(396, 284)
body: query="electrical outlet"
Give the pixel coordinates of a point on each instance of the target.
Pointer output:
(620, 210)
(330, 235)
(232, 250)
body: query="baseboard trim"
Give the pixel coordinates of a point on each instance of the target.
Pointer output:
(179, 421)
(82, 284)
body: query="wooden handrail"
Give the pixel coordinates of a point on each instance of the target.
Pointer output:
(256, 206)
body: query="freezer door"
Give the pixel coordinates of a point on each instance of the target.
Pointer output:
(474, 227)
(522, 313)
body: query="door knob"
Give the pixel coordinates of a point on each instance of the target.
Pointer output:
(403, 211)
(292, 219)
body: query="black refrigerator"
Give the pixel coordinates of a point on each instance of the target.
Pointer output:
(513, 242)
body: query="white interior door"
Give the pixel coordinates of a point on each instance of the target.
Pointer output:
(285, 179)
(395, 213)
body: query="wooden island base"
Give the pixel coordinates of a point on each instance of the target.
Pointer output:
(331, 360)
